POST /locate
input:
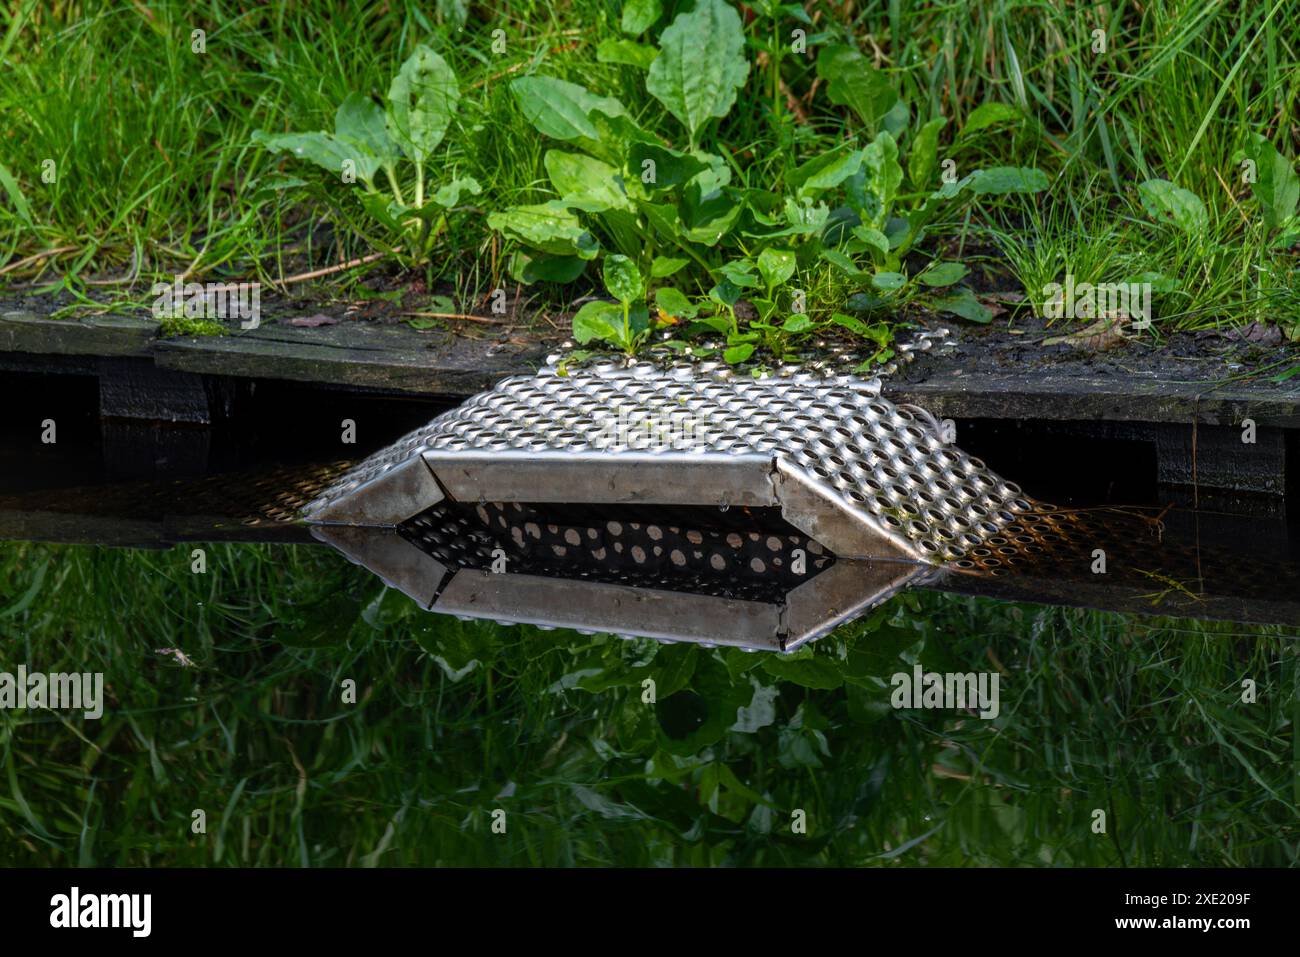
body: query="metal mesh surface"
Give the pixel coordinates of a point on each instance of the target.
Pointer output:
(871, 459)
(688, 550)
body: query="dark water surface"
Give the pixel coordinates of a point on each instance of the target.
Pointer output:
(260, 683)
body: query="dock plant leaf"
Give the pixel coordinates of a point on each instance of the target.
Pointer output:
(701, 65)
(852, 81)
(421, 102)
(1276, 185)
(1168, 203)
(548, 227)
(560, 109)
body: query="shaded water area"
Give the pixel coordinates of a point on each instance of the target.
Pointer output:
(1145, 715)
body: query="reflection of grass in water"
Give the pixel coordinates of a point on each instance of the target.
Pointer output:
(1171, 585)
(1141, 718)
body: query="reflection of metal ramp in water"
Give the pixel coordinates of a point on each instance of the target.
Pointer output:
(841, 464)
(753, 583)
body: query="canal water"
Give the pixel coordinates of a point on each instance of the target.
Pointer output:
(269, 698)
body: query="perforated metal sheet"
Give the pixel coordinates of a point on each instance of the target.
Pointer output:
(736, 555)
(830, 451)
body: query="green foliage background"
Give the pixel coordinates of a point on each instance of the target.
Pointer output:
(1142, 718)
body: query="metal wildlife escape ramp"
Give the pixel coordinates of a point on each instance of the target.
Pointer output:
(680, 502)
(846, 467)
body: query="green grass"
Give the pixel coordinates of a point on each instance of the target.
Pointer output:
(1141, 718)
(157, 172)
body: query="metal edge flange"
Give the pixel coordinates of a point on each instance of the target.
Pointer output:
(399, 563)
(606, 607)
(560, 477)
(387, 499)
(842, 593)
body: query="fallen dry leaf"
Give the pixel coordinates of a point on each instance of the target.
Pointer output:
(991, 303)
(311, 322)
(1257, 332)
(1102, 334)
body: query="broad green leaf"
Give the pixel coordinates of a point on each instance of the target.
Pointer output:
(663, 217)
(852, 81)
(883, 177)
(815, 671)
(15, 193)
(924, 154)
(895, 231)
(659, 169)
(360, 120)
(623, 279)
(421, 102)
(759, 713)
(882, 335)
(562, 110)
(382, 208)
(764, 205)
(990, 114)
(963, 303)
(843, 263)
(1007, 179)
(856, 326)
(614, 136)
(889, 281)
(700, 66)
(726, 292)
(324, 150)
(825, 172)
(741, 273)
(599, 320)
(548, 227)
(707, 217)
(715, 702)
(797, 323)
(673, 303)
(639, 16)
(739, 353)
(638, 319)
(942, 274)
(1159, 282)
(776, 266)
(715, 175)
(664, 266)
(872, 238)
(626, 52)
(804, 217)
(455, 12)
(1288, 234)
(1172, 204)
(917, 220)
(543, 267)
(1276, 185)
(898, 120)
(276, 183)
(672, 669)
(996, 181)
(449, 195)
(586, 183)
